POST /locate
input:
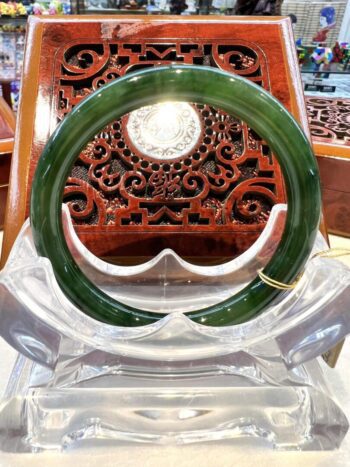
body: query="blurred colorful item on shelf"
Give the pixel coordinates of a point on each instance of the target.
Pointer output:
(322, 55)
(301, 55)
(338, 53)
(15, 87)
(66, 8)
(38, 9)
(13, 27)
(11, 55)
(12, 9)
(327, 22)
(55, 7)
(301, 51)
(7, 56)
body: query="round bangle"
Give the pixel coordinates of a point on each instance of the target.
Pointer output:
(203, 85)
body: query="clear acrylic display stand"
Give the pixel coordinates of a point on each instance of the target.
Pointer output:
(78, 381)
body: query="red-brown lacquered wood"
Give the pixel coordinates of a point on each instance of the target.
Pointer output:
(7, 128)
(66, 60)
(329, 120)
(335, 174)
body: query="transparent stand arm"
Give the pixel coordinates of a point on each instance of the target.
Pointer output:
(304, 323)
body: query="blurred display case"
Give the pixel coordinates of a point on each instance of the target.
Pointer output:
(188, 7)
(141, 6)
(13, 20)
(11, 53)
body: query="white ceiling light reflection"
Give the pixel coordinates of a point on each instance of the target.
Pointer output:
(164, 131)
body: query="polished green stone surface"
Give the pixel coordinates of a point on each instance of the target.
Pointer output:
(236, 96)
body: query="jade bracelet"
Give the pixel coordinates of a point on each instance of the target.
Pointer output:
(236, 96)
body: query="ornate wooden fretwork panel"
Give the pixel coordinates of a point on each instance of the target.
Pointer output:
(329, 120)
(226, 181)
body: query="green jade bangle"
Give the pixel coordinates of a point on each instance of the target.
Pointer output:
(203, 85)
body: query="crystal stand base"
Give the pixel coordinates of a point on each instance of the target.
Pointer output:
(225, 403)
